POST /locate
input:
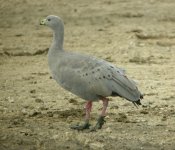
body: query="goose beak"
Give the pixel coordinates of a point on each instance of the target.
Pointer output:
(43, 22)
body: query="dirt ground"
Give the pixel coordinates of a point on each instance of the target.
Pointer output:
(35, 113)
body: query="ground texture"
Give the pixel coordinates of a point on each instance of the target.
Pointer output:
(35, 113)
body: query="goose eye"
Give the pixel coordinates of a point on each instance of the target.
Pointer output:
(48, 19)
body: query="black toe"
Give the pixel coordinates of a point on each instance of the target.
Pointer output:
(99, 124)
(84, 126)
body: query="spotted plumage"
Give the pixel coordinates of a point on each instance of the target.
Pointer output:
(86, 76)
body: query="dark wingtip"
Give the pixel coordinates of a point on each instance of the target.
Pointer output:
(137, 103)
(141, 96)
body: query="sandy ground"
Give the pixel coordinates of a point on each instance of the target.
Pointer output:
(35, 113)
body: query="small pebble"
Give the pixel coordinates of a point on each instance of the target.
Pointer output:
(38, 100)
(108, 130)
(50, 114)
(24, 111)
(144, 112)
(32, 91)
(34, 113)
(10, 99)
(96, 145)
(73, 101)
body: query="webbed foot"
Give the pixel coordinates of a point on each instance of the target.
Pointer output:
(99, 124)
(84, 126)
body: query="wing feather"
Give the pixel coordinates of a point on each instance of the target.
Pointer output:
(89, 77)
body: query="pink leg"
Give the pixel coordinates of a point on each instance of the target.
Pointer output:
(88, 108)
(86, 125)
(101, 120)
(105, 105)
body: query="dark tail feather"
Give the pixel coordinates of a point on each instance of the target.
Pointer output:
(137, 103)
(141, 96)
